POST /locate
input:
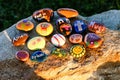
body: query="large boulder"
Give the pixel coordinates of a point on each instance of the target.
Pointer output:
(100, 64)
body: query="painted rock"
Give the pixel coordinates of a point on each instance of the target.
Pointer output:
(75, 38)
(44, 29)
(20, 39)
(44, 14)
(38, 56)
(58, 40)
(22, 55)
(36, 43)
(96, 27)
(67, 12)
(25, 25)
(58, 52)
(65, 29)
(62, 20)
(79, 26)
(92, 40)
(77, 51)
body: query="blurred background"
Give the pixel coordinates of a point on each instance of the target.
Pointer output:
(12, 11)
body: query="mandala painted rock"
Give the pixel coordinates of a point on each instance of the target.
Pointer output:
(77, 51)
(20, 39)
(65, 29)
(58, 40)
(22, 55)
(96, 27)
(79, 26)
(44, 29)
(67, 12)
(44, 14)
(25, 25)
(75, 38)
(36, 43)
(58, 52)
(92, 40)
(62, 20)
(38, 56)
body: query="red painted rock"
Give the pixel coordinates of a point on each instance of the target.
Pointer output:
(75, 38)
(22, 55)
(96, 27)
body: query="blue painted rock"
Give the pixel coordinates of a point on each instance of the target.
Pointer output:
(58, 52)
(64, 26)
(22, 55)
(75, 38)
(38, 56)
(77, 51)
(79, 26)
(44, 14)
(58, 40)
(92, 40)
(62, 20)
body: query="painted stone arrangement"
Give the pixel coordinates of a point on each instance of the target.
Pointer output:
(82, 35)
(58, 63)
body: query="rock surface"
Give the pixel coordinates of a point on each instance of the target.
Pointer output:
(99, 64)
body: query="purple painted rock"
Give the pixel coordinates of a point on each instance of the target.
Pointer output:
(92, 40)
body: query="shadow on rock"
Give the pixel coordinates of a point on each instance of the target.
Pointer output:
(15, 70)
(107, 71)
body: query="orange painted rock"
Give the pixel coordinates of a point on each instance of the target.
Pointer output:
(25, 25)
(96, 27)
(44, 29)
(20, 40)
(75, 38)
(92, 40)
(67, 12)
(36, 43)
(44, 14)
(22, 55)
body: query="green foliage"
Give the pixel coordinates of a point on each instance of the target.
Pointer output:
(12, 11)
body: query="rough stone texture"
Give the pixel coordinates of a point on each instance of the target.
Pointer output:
(98, 64)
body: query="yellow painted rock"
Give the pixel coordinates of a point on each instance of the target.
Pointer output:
(36, 43)
(44, 29)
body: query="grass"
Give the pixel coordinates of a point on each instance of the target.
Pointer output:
(12, 11)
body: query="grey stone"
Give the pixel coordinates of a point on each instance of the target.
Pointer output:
(111, 19)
